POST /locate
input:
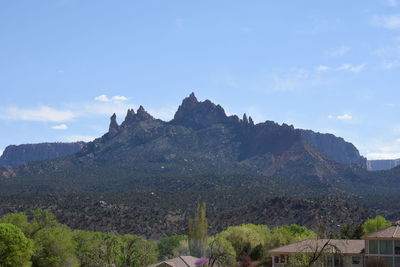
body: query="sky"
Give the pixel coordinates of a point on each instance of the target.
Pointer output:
(329, 66)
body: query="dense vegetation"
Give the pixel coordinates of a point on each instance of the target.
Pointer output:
(38, 239)
(161, 214)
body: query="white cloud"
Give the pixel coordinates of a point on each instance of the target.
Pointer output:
(119, 98)
(392, 3)
(391, 22)
(345, 117)
(343, 67)
(375, 156)
(102, 98)
(352, 68)
(60, 127)
(105, 98)
(385, 150)
(1, 152)
(76, 138)
(101, 108)
(338, 52)
(44, 113)
(322, 68)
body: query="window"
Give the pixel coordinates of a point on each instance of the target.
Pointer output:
(356, 259)
(283, 259)
(397, 247)
(389, 261)
(373, 246)
(336, 260)
(276, 259)
(329, 261)
(396, 261)
(386, 247)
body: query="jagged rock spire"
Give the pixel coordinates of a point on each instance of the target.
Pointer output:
(114, 127)
(142, 114)
(251, 121)
(130, 115)
(245, 120)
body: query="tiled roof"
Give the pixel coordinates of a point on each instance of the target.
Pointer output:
(391, 232)
(312, 245)
(181, 261)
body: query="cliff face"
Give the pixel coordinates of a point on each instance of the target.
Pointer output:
(16, 155)
(380, 165)
(334, 147)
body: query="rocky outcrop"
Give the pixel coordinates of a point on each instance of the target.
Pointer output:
(334, 147)
(195, 114)
(15, 155)
(380, 165)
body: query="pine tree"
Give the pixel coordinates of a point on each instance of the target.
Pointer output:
(197, 234)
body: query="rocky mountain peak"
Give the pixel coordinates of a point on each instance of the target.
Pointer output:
(197, 114)
(140, 115)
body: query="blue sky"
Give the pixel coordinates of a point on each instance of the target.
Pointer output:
(330, 66)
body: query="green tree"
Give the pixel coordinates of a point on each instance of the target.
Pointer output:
(15, 248)
(54, 247)
(220, 253)
(375, 224)
(167, 245)
(138, 251)
(18, 219)
(246, 239)
(347, 232)
(96, 249)
(198, 232)
(289, 234)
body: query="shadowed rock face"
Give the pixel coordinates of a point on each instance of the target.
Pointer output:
(383, 164)
(334, 147)
(16, 155)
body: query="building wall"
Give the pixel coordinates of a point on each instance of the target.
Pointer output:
(330, 261)
(383, 249)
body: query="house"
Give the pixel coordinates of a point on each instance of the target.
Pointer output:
(336, 252)
(380, 248)
(181, 261)
(385, 245)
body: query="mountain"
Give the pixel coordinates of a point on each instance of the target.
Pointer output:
(385, 164)
(145, 175)
(200, 140)
(334, 147)
(16, 155)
